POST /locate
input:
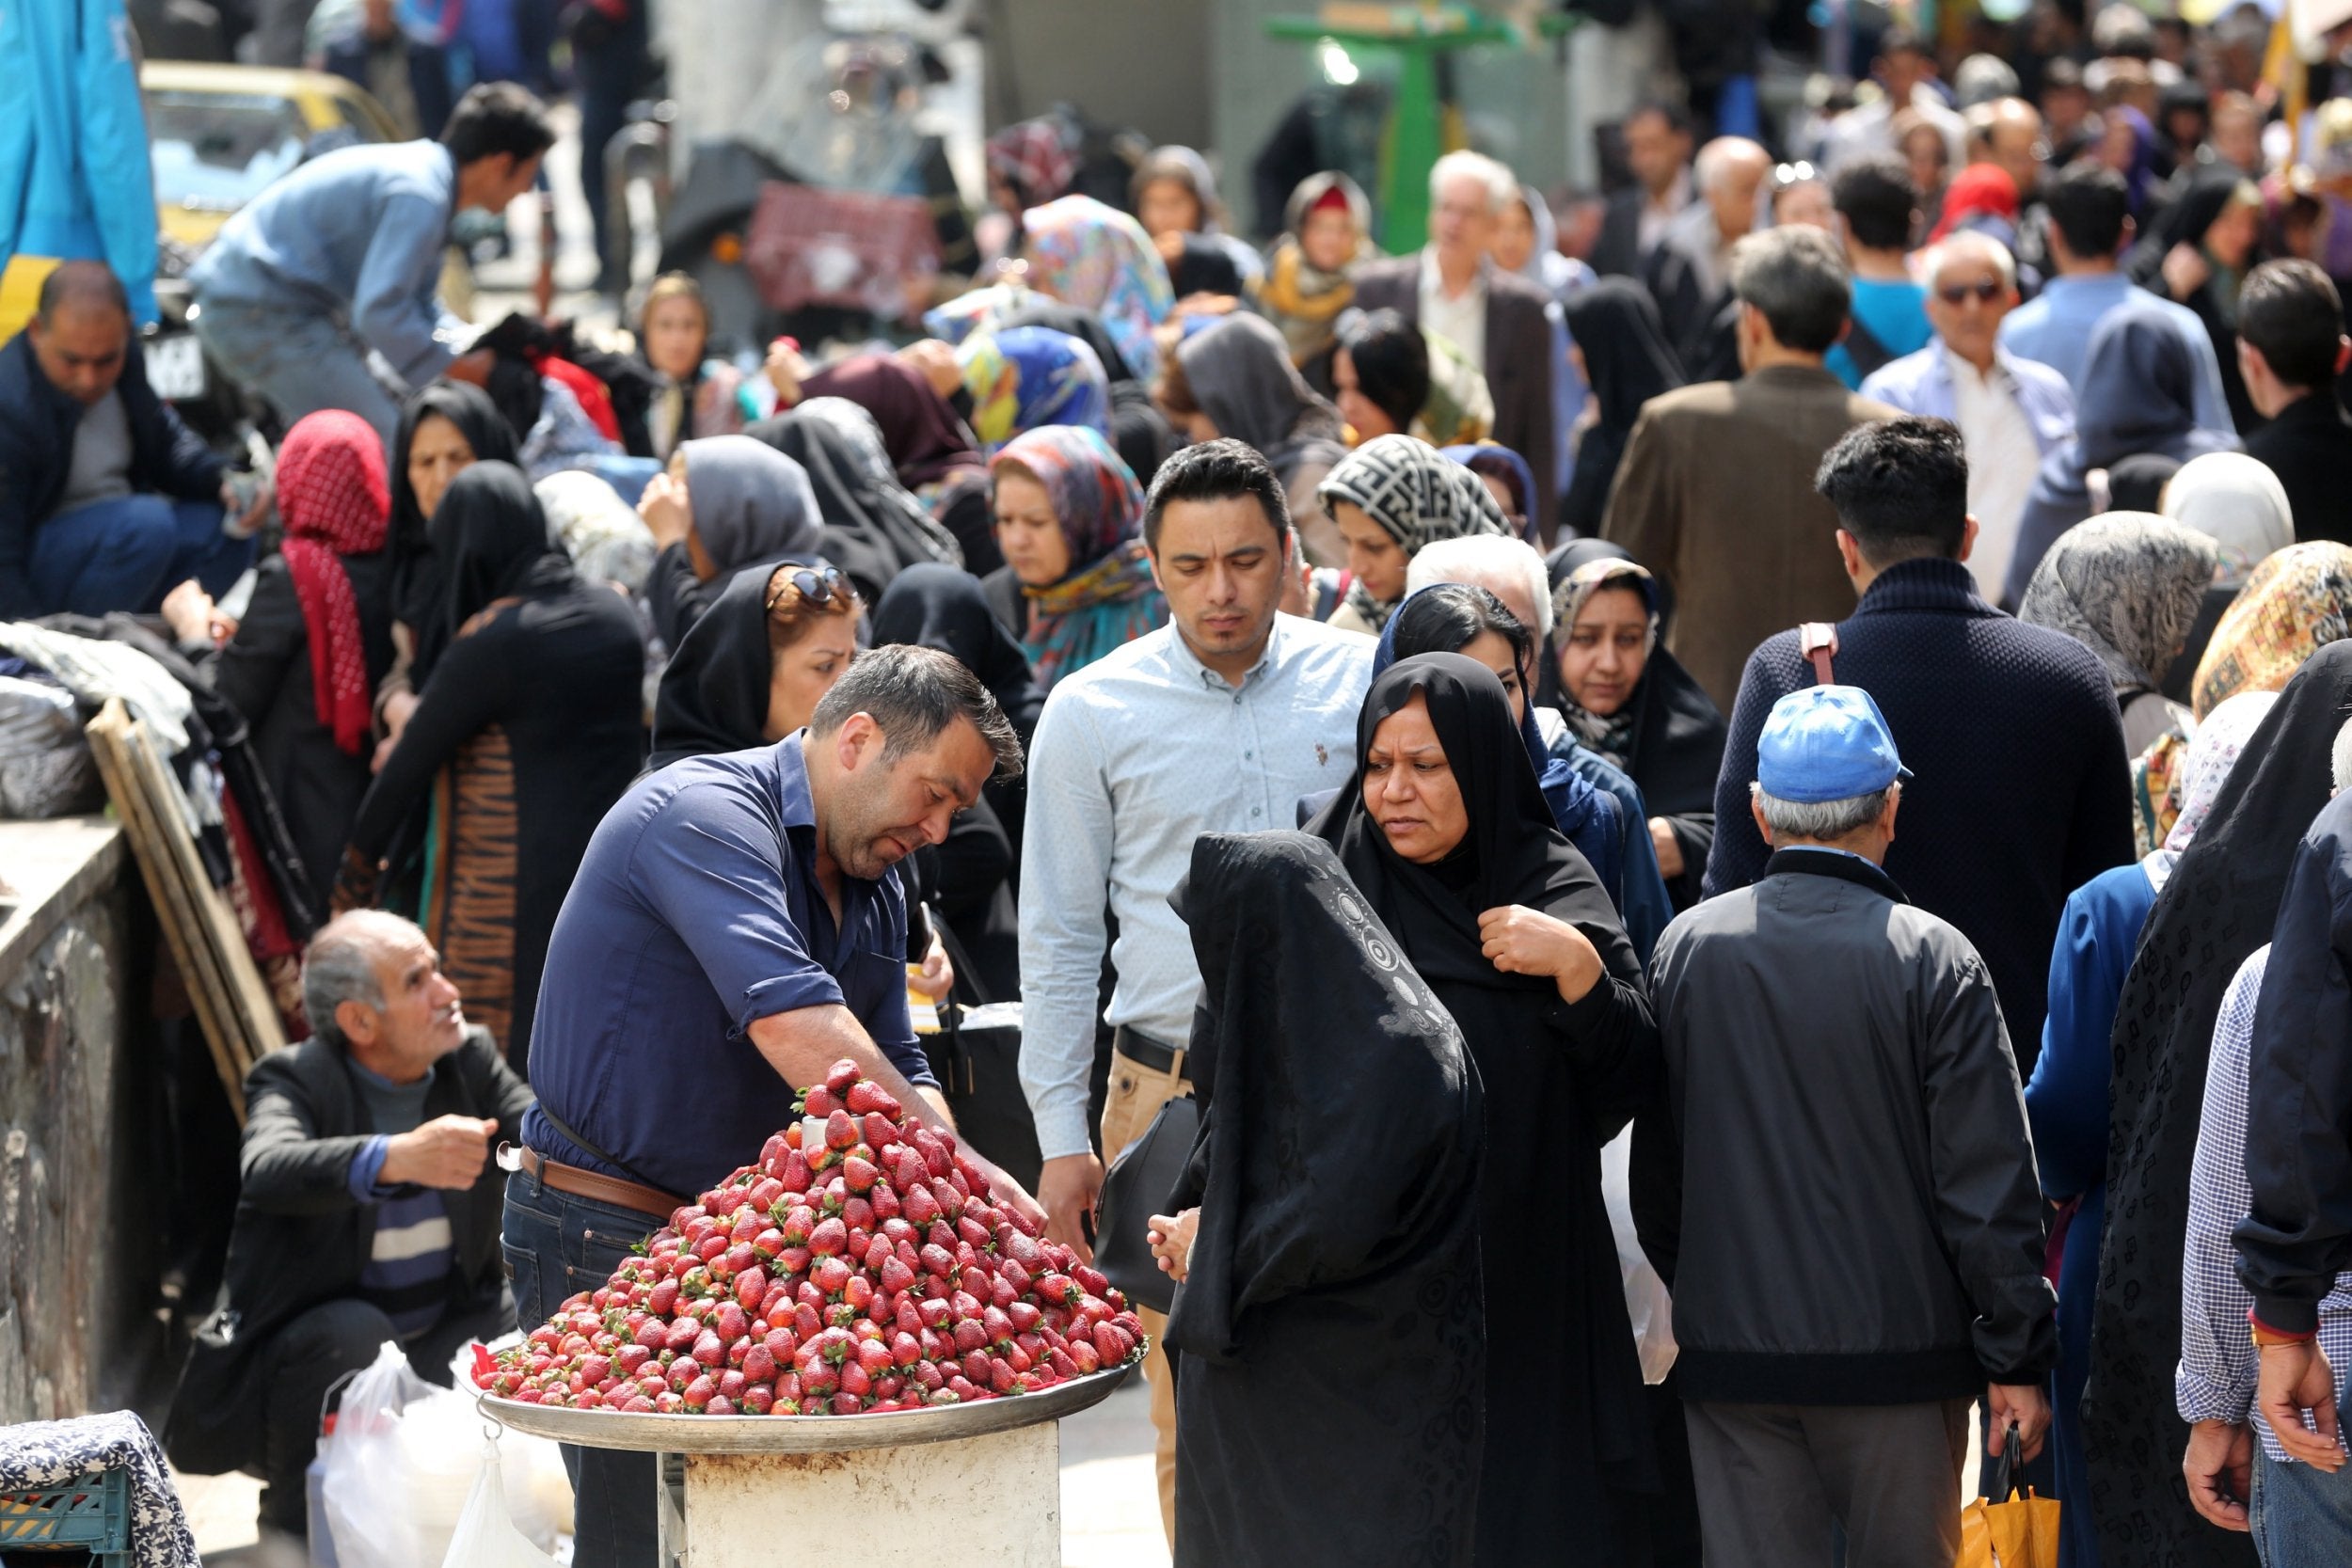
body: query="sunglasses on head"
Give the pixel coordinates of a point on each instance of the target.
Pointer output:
(1986, 292)
(818, 585)
(1786, 174)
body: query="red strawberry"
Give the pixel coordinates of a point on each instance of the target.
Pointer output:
(876, 1127)
(829, 1238)
(709, 1349)
(874, 1356)
(1083, 1356)
(842, 1075)
(998, 1326)
(976, 1368)
(830, 1276)
(1061, 1362)
(807, 1325)
(759, 1363)
(894, 1275)
(846, 1405)
(970, 1335)
(856, 1379)
(1012, 1243)
(740, 1257)
(937, 1259)
(886, 1202)
(973, 1231)
(699, 1393)
(950, 1200)
(921, 1207)
(663, 1299)
(681, 1335)
(821, 1103)
(1025, 1316)
(936, 1313)
(793, 1261)
(733, 1323)
(1000, 1375)
(1106, 1345)
(1090, 1279)
(860, 1175)
(768, 1242)
(758, 1400)
(795, 1174)
(857, 1212)
(732, 1383)
(841, 1130)
(1013, 1274)
(631, 1358)
(858, 1292)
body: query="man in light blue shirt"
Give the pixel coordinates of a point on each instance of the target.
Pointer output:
(2089, 225)
(1217, 723)
(344, 257)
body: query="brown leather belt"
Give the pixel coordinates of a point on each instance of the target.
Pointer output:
(588, 1183)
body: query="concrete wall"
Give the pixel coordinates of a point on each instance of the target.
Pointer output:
(1143, 63)
(78, 1193)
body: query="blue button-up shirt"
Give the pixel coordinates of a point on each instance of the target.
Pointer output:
(1136, 757)
(696, 911)
(2216, 1379)
(2054, 328)
(356, 235)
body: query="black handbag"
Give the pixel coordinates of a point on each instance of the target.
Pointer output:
(1137, 1188)
(976, 1056)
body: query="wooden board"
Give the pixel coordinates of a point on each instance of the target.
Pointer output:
(232, 1005)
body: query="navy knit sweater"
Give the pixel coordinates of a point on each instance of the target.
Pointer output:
(2022, 791)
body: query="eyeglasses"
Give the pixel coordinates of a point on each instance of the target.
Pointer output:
(1986, 292)
(817, 585)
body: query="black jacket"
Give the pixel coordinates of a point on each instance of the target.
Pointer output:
(1858, 1221)
(36, 425)
(2309, 445)
(2023, 791)
(300, 1239)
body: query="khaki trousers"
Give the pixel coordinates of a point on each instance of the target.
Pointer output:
(1136, 1094)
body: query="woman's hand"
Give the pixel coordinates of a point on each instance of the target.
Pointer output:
(786, 370)
(2185, 271)
(397, 709)
(664, 508)
(1520, 940)
(1669, 849)
(188, 612)
(937, 362)
(1171, 1242)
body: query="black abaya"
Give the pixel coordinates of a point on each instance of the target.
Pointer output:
(714, 691)
(2215, 909)
(1565, 1425)
(1628, 361)
(417, 591)
(1329, 1358)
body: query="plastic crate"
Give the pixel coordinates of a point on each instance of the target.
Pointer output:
(89, 1514)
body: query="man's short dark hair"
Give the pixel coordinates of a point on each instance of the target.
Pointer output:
(497, 118)
(83, 286)
(1215, 471)
(1878, 199)
(2089, 205)
(2291, 312)
(1677, 118)
(1797, 277)
(1900, 488)
(914, 693)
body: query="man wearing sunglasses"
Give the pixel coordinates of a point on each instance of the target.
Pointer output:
(2011, 411)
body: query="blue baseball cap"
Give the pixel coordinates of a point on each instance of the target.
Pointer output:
(1826, 743)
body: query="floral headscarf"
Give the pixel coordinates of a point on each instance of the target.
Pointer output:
(2126, 585)
(335, 500)
(2199, 770)
(1610, 734)
(1030, 377)
(2297, 602)
(1034, 157)
(1098, 258)
(1108, 599)
(1416, 494)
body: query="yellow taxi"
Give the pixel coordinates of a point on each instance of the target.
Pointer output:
(218, 133)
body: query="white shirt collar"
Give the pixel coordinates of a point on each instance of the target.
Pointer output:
(1432, 283)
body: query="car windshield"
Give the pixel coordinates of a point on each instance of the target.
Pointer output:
(215, 152)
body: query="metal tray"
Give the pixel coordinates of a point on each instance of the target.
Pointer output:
(893, 1428)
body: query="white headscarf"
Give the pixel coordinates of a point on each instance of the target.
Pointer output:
(2239, 502)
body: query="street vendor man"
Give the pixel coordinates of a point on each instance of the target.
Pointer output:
(735, 928)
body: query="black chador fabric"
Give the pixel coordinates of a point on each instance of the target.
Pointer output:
(714, 693)
(1330, 1364)
(872, 529)
(1566, 1431)
(417, 592)
(2217, 908)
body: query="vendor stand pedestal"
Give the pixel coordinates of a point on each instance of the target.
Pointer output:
(978, 1485)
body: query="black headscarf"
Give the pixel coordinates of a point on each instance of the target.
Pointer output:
(492, 541)
(1616, 325)
(1330, 1323)
(2217, 908)
(417, 594)
(873, 527)
(943, 608)
(714, 693)
(1564, 1437)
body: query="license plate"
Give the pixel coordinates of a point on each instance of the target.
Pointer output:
(175, 367)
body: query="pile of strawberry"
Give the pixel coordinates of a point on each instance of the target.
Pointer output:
(860, 1266)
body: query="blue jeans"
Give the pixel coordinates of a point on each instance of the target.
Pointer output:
(2301, 1516)
(301, 363)
(556, 1245)
(128, 552)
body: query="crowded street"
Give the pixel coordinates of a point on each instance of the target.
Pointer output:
(1085, 785)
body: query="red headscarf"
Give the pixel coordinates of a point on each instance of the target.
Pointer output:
(333, 500)
(1977, 191)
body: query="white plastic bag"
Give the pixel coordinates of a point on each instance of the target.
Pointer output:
(371, 1518)
(487, 1536)
(1646, 1301)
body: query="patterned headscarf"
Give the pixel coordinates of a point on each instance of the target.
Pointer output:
(1033, 156)
(334, 499)
(1296, 295)
(1416, 494)
(2297, 602)
(602, 533)
(1107, 598)
(1098, 258)
(1031, 377)
(2126, 585)
(2237, 500)
(2175, 781)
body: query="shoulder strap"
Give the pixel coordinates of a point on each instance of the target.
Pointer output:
(1818, 641)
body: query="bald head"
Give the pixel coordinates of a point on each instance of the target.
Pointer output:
(1730, 171)
(2008, 132)
(81, 330)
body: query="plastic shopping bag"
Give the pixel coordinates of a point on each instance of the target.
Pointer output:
(367, 1506)
(487, 1536)
(2018, 1530)
(1646, 1301)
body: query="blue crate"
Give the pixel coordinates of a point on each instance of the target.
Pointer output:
(91, 1513)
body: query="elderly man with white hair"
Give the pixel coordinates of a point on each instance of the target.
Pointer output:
(2011, 411)
(1497, 319)
(1688, 274)
(1512, 571)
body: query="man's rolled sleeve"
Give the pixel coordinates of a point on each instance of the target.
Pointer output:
(1065, 882)
(366, 1166)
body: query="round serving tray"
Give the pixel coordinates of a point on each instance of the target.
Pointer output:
(893, 1428)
